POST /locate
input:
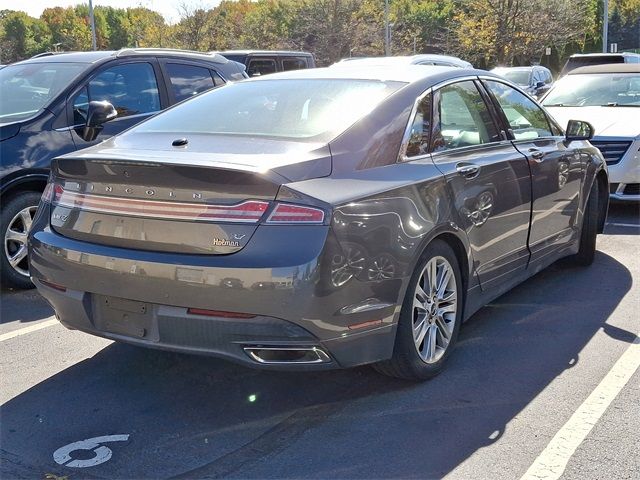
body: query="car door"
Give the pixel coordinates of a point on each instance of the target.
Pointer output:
(488, 179)
(556, 171)
(186, 79)
(132, 87)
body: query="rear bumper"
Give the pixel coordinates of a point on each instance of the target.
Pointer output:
(353, 325)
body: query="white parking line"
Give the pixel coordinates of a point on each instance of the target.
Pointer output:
(553, 460)
(29, 329)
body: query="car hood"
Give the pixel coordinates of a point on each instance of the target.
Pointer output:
(607, 121)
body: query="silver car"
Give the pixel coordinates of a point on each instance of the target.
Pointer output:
(322, 218)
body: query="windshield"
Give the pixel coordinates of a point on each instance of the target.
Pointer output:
(519, 77)
(603, 89)
(26, 89)
(300, 109)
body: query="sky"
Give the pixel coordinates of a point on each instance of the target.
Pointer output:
(168, 8)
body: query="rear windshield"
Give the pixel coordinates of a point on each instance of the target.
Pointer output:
(576, 62)
(299, 109)
(26, 89)
(519, 77)
(602, 89)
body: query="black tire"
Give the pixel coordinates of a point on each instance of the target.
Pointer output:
(406, 362)
(14, 277)
(589, 230)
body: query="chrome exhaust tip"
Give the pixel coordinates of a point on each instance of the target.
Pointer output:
(287, 355)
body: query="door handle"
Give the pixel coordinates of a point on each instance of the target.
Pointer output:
(536, 154)
(468, 170)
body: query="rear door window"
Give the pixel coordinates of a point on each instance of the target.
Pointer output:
(461, 118)
(188, 80)
(131, 88)
(293, 64)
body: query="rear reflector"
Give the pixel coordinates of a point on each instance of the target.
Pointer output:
(246, 212)
(371, 323)
(286, 213)
(218, 313)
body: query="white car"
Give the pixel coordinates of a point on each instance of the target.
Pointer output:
(423, 59)
(608, 97)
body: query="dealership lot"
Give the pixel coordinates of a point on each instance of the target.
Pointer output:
(523, 366)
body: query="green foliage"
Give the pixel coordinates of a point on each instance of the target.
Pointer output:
(486, 32)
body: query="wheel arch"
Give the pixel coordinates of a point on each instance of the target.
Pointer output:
(32, 180)
(603, 198)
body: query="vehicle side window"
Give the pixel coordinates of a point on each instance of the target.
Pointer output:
(188, 80)
(547, 77)
(80, 107)
(420, 129)
(461, 118)
(293, 64)
(526, 119)
(537, 77)
(261, 66)
(217, 79)
(131, 88)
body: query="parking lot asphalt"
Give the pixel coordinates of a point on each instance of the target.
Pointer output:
(524, 364)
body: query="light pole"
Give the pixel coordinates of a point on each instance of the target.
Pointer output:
(93, 26)
(387, 35)
(605, 27)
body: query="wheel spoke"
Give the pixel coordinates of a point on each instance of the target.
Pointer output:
(18, 256)
(420, 331)
(446, 309)
(25, 215)
(18, 237)
(445, 276)
(443, 329)
(421, 295)
(433, 276)
(431, 343)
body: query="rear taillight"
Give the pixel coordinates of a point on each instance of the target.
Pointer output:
(287, 213)
(249, 211)
(246, 212)
(51, 192)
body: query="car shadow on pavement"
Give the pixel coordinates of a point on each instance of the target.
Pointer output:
(197, 417)
(23, 306)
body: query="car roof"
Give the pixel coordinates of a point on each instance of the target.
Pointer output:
(400, 60)
(262, 52)
(608, 68)
(619, 54)
(400, 73)
(97, 56)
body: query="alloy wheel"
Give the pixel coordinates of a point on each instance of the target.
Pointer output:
(435, 304)
(15, 240)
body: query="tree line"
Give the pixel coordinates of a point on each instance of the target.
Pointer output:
(484, 32)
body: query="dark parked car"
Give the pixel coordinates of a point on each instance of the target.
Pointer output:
(535, 80)
(44, 111)
(264, 62)
(588, 59)
(386, 207)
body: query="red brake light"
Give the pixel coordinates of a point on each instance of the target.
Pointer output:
(249, 211)
(286, 213)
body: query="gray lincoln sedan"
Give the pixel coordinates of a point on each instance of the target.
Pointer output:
(320, 218)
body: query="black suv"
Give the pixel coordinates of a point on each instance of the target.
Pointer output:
(263, 62)
(55, 104)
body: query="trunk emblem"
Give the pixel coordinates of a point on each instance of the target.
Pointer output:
(220, 242)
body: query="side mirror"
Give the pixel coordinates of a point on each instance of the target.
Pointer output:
(98, 112)
(539, 85)
(578, 130)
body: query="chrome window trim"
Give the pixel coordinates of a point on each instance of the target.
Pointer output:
(402, 154)
(402, 157)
